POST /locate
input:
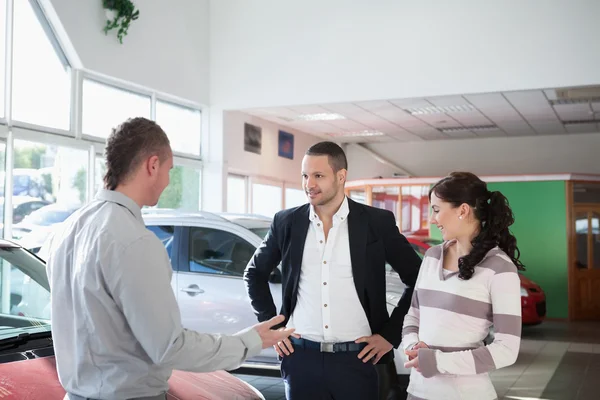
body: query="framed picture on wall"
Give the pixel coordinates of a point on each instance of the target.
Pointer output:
(252, 138)
(286, 145)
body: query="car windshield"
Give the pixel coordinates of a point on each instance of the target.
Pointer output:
(24, 292)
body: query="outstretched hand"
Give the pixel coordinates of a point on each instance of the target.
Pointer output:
(269, 336)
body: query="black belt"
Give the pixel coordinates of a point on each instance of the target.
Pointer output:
(325, 347)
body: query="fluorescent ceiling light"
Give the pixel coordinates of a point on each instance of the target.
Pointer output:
(479, 128)
(320, 117)
(580, 122)
(440, 110)
(359, 133)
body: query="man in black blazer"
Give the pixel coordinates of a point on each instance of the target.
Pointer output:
(333, 252)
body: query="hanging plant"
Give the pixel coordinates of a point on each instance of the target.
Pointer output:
(119, 14)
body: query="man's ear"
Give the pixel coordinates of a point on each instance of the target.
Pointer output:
(342, 176)
(152, 165)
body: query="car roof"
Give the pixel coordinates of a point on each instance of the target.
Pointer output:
(165, 213)
(8, 244)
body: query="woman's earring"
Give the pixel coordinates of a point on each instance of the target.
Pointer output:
(460, 217)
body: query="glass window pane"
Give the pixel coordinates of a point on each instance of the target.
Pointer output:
(266, 199)
(105, 107)
(2, 52)
(51, 174)
(586, 192)
(386, 197)
(415, 206)
(41, 74)
(182, 125)
(358, 195)
(166, 234)
(214, 251)
(183, 192)
(236, 194)
(294, 197)
(100, 170)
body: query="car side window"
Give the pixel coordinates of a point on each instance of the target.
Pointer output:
(165, 234)
(214, 251)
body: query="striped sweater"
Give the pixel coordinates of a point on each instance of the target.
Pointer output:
(453, 317)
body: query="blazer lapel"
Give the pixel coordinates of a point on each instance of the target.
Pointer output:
(358, 227)
(299, 230)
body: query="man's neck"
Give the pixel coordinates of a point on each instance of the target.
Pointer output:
(132, 193)
(327, 211)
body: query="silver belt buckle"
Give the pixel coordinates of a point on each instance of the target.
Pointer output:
(327, 347)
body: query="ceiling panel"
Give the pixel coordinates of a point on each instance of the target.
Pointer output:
(596, 107)
(547, 128)
(574, 112)
(411, 103)
(488, 100)
(439, 120)
(516, 128)
(348, 125)
(447, 101)
(582, 128)
(472, 118)
(375, 105)
(461, 134)
(308, 109)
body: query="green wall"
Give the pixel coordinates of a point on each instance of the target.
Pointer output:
(540, 229)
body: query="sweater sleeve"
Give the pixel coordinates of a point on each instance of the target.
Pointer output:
(410, 330)
(505, 293)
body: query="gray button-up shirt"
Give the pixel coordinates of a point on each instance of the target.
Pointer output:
(115, 320)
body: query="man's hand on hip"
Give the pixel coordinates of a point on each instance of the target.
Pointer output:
(376, 348)
(269, 336)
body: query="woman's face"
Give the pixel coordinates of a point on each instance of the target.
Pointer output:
(446, 217)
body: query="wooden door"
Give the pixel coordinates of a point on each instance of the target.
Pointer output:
(585, 244)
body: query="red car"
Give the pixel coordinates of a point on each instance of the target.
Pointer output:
(27, 363)
(533, 299)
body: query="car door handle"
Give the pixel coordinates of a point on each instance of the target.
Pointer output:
(192, 290)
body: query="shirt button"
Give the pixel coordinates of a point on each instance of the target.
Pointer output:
(324, 262)
(325, 305)
(320, 241)
(326, 326)
(324, 283)
(318, 224)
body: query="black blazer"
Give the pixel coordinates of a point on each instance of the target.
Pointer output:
(374, 239)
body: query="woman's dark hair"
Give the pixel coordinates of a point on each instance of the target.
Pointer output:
(128, 145)
(491, 210)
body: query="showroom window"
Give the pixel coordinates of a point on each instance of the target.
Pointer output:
(41, 81)
(105, 107)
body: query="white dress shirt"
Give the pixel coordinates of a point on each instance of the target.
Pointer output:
(115, 320)
(328, 308)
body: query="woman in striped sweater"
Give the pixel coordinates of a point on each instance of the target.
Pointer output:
(464, 286)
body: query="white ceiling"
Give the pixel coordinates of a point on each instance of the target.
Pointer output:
(522, 113)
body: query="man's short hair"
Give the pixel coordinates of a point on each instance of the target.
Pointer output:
(335, 154)
(129, 144)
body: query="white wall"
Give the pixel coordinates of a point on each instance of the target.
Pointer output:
(273, 52)
(492, 156)
(166, 48)
(268, 164)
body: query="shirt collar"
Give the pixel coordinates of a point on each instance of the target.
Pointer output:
(341, 213)
(121, 199)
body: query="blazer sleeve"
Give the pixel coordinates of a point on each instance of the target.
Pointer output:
(256, 275)
(406, 262)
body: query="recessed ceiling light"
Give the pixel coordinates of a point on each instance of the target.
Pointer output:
(320, 117)
(359, 133)
(478, 128)
(440, 110)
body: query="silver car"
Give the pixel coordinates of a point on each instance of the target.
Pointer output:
(209, 253)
